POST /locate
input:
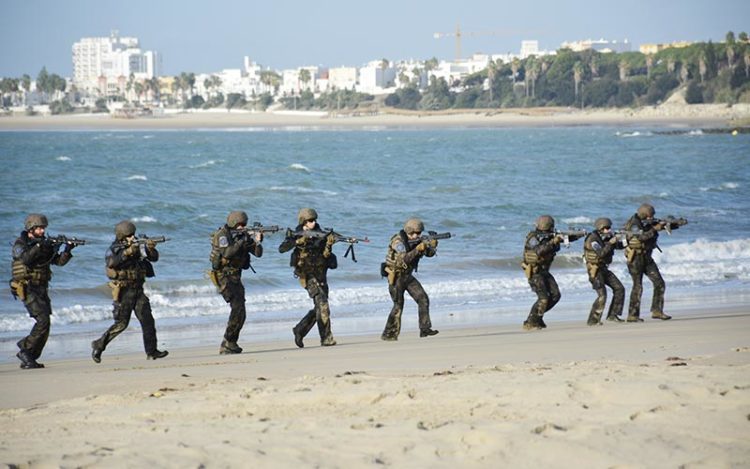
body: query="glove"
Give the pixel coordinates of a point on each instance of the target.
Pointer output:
(557, 239)
(613, 240)
(422, 247)
(301, 241)
(330, 239)
(69, 247)
(132, 250)
(150, 245)
(433, 244)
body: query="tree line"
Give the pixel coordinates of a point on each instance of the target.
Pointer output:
(710, 73)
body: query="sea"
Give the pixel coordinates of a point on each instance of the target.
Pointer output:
(486, 186)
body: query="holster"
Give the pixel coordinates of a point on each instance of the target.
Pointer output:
(18, 289)
(528, 269)
(214, 276)
(593, 270)
(629, 254)
(116, 290)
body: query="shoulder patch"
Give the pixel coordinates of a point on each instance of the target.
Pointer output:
(399, 247)
(223, 241)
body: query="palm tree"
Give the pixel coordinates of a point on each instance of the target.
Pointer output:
(649, 64)
(747, 63)
(139, 88)
(671, 63)
(155, 87)
(624, 69)
(514, 66)
(684, 73)
(594, 66)
(491, 73)
(577, 76)
(730, 55)
(304, 76)
(384, 64)
(129, 86)
(702, 67)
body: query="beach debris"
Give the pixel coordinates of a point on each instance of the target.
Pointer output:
(742, 349)
(261, 378)
(548, 426)
(432, 426)
(442, 373)
(675, 359)
(161, 392)
(185, 375)
(351, 373)
(678, 364)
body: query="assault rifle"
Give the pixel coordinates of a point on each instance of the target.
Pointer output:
(257, 227)
(143, 239)
(430, 236)
(567, 236)
(338, 238)
(622, 235)
(669, 223)
(59, 240)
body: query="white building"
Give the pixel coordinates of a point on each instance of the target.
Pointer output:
(374, 78)
(342, 78)
(529, 48)
(600, 45)
(292, 83)
(100, 63)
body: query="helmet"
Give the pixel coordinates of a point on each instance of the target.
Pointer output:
(545, 223)
(413, 225)
(646, 211)
(306, 214)
(602, 223)
(124, 229)
(34, 220)
(235, 218)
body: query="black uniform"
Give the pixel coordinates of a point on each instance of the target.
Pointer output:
(32, 258)
(401, 261)
(598, 251)
(230, 255)
(128, 270)
(311, 262)
(539, 252)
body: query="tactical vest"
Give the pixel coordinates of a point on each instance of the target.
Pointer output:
(37, 274)
(393, 261)
(532, 259)
(592, 257)
(132, 271)
(229, 266)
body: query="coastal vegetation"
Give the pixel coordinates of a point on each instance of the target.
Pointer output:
(703, 72)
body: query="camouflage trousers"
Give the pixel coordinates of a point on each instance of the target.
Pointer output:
(638, 267)
(132, 299)
(321, 312)
(38, 305)
(547, 292)
(605, 278)
(400, 286)
(234, 293)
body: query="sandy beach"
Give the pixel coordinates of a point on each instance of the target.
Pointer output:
(669, 115)
(657, 394)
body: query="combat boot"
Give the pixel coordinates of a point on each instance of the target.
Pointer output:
(660, 315)
(594, 320)
(614, 318)
(27, 361)
(428, 332)
(298, 337)
(388, 338)
(157, 354)
(328, 341)
(96, 352)
(228, 348)
(634, 319)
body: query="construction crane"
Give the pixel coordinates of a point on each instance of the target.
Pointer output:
(458, 34)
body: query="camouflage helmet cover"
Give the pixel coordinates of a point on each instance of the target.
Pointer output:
(646, 211)
(235, 218)
(545, 223)
(602, 223)
(124, 229)
(306, 214)
(33, 220)
(413, 225)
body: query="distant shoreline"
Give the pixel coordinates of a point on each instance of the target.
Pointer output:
(708, 115)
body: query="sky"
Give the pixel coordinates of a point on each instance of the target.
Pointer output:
(209, 36)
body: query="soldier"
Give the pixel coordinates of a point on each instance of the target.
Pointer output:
(540, 249)
(231, 246)
(128, 264)
(597, 251)
(33, 254)
(311, 259)
(404, 252)
(642, 235)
